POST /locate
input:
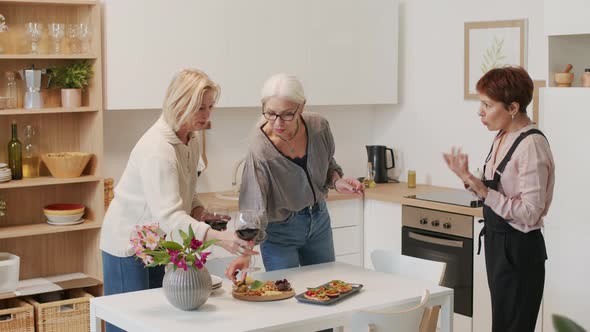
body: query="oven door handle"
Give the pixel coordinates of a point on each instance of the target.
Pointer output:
(435, 240)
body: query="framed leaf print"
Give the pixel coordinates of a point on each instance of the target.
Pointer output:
(491, 45)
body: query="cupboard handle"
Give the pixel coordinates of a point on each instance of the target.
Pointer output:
(434, 240)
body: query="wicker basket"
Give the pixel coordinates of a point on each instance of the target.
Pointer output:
(66, 164)
(69, 315)
(16, 316)
(108, 192)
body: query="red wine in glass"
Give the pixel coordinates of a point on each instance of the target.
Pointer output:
(247, 234)
(218, 225)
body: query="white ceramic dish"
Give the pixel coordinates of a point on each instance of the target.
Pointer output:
(215, 280)
(67, 219)
(66, 223)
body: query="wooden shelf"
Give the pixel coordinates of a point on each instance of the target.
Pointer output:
(28, 287)
(10, 232)
(47, 181)
(46, 56)
(51, 2)
(25, 111)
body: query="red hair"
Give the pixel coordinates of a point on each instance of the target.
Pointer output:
(507, 85)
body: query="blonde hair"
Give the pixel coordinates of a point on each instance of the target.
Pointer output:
(283, 86)
(185, 95)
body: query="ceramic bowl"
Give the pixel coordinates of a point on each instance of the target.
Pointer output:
(67, 219)
(564, 79)
(64, 209)
(66, 164)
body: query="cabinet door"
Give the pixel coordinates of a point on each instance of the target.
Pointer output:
(346, 212)
(382, 228)
(566, 17)
(347, 240)
(353, 259)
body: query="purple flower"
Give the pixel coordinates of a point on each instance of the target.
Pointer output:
(198, 264)
(173, 255)
(195, 244)
(182, 264)
(204, 255)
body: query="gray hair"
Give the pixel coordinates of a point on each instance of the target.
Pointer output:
(283, 86)
(185, 95)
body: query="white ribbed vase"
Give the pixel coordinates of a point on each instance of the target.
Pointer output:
(186, 290)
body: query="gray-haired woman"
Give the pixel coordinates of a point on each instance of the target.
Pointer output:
(289, 168)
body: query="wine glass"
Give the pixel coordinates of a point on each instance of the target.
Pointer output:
(247, 226)
(34, 32)
(57, 32)
(217, 217)
(73, 34)
(84, 37)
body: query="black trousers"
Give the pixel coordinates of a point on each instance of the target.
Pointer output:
(515, 264)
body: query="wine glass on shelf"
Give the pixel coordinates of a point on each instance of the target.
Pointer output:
(247, 225)
(57, 32)
(34, 31)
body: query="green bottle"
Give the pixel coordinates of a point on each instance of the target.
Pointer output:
(15, 154)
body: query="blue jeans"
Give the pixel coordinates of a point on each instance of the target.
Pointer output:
(305, 238)
(128, 274)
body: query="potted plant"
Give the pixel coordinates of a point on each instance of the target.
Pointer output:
(71, 80)
(187, 283)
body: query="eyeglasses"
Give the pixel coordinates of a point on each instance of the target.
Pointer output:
(285, 116)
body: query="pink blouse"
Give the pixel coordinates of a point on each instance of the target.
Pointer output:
(526, 186)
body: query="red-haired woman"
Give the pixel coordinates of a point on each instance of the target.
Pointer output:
(517, 189)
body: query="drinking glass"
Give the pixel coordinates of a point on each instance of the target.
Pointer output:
(73, 35)
(84, 35)
(247, 226)
(34, 31)
(217, 217)
(57, 32)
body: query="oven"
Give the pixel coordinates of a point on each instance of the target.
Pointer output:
(443, 237)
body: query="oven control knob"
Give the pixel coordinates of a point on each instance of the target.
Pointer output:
(447, 225)
(423, 221)
(435, 223)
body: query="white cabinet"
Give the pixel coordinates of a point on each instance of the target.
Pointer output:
(347, 230)
(382, 228)
(345, 51)
(566, 17)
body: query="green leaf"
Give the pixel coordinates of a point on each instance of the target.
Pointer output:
(564, 324)
(191, 233)
(75, 76)
(171, 245)
(207, 244)
(256, 284)
(183, 234)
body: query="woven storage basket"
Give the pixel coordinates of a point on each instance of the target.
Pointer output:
(16, 315)
(69, 315)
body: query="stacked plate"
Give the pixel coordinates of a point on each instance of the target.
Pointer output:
(64, 214)
(216, 282)
(5, 174)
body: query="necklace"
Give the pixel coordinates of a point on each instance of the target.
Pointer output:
(288, 141)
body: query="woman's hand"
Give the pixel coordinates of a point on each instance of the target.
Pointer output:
(458, 163)
(349, 186)
(232, 243)
(239, 264)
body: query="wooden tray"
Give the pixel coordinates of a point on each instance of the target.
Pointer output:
(284, 295)
(355, 289)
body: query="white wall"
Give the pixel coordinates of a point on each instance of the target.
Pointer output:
(227, 141)
(432, 115)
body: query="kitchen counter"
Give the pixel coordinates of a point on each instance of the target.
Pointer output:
(387, 192)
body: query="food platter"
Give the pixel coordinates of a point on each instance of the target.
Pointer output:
(329, 293)
(263, 291)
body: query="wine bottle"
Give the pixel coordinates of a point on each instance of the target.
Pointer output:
(15, 154)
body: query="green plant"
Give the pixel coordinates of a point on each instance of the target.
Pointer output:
(564, 324)
(493, 56)
(75, 76)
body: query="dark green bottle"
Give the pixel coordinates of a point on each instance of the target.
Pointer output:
(15, 154)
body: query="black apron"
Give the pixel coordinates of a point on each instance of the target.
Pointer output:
(515, 262)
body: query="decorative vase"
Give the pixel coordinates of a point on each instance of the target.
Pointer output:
(71, 98)
(186, 290)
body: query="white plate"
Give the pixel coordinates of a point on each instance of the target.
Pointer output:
(65, 223)
(215, 280)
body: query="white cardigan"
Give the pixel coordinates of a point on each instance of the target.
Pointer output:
(158, 185)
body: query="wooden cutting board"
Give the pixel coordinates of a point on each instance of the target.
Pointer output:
(262, 298)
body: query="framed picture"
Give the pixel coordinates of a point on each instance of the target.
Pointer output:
(491, 45)
(533, 109)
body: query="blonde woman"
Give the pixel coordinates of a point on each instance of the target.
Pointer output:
(159, 185)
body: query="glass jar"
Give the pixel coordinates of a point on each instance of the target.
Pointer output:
(411, 179)
(586, 78)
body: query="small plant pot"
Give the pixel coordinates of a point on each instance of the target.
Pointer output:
(71, 98)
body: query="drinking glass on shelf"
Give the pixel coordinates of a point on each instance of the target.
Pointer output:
(84, 35)
(34, 31)
(73, 35)
(56, 33)
(247, 226)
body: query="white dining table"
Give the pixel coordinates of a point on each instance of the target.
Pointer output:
(149, 310)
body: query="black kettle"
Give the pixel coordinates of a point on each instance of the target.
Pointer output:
(377, 155)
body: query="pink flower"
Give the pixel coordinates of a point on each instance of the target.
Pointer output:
(148, 259)
(151, 240)
(173, 255)
(182, 264)
(198, 264)
(204, 255)
(195, 244)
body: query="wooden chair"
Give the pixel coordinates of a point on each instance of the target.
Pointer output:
(419, 318)
(412, 267)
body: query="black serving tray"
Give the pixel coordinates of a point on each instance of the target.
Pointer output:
(355, 289)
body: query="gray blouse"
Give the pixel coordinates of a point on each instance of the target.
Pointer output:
(275, 185)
